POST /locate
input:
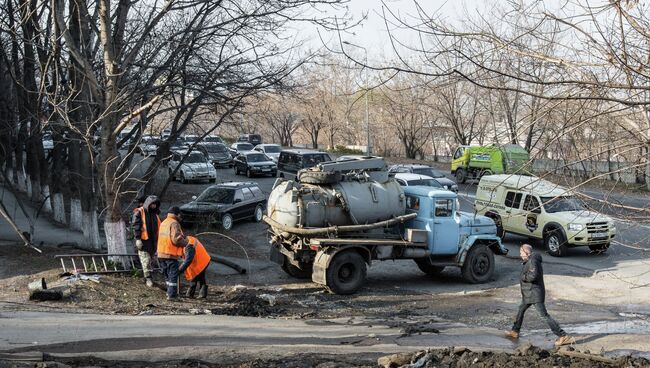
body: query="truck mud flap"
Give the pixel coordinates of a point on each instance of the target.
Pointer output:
(276, 256)
(321, 261)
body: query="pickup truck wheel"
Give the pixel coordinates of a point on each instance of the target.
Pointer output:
(424, 264)
(293, 271)
(183, 179)
(555, 243)
(599, 248)
(226, 221)
(479, 265)
(461, 176)
(346, 273)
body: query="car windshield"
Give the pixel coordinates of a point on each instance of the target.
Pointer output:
(195, 158)
(257, 157)
(244, 147)
(425, 182)
(561, 204)
(272, 149)
(215, 148)
(217, 195)
(213, 139)
(315, 159)
(428, 171)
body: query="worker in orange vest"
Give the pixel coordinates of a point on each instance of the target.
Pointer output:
(194, 266)
(171, 242)
(145, 223)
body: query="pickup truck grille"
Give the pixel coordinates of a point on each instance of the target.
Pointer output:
(597, 227)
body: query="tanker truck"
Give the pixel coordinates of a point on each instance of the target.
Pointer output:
(335, 219)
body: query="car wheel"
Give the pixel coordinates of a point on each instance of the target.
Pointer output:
(248, 173)
(170, 175)
(555, 243)
(183, 179)
(259, 213)
(346, 273)
(425, 265)
(226, 221)
(461, 176)
(599, 248)
(479, 264)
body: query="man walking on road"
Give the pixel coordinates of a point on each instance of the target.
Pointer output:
(534, 293)
(194, 266)
(171, 242)
(145, 223)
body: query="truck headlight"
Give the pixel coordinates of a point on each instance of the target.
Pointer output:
(576, 227)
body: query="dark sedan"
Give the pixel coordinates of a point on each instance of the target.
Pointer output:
(225, 204)
(254, 163)
(425, 170)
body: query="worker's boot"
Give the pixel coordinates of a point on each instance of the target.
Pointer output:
(512, 334)
(203, 293)
(190, 291)
(149, 282)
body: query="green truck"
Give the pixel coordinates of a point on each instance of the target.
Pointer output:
(475, 161)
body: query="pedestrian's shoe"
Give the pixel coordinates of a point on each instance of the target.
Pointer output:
(564, 340)
(190, 291)
(203, 293)
(149, 282)
(512, 334)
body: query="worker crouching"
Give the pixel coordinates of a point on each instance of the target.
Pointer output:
(194, 267)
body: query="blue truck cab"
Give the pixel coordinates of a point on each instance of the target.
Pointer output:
(453, 237)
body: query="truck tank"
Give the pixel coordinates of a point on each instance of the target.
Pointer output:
(356, 197)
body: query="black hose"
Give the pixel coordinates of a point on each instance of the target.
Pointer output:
(225, 262)
(338, 229)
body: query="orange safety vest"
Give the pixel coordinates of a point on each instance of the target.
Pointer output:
(165, 244)
(200, 261)
(144, 234)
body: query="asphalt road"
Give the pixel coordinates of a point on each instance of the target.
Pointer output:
(631, 234)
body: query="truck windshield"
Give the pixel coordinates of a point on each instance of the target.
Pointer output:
(425, 182)
(561, 204)
(428, 171)
(217, 195)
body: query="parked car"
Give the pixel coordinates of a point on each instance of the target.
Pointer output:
(195, 167)
(425, 170)
(292, 160)
(410, 179)
(190, 139)
(253, 139)
(48, 143)
(271, 150)
(254, 163)
(213, 139)
(239, 147)
(216, 153)
(148, 145)
(165, 133)
(539, 209)
(226, 203)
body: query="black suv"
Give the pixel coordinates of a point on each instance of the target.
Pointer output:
(425, 170)
(292, 160)
(253, 139)
(224, 204)
(217, 153)
(254, 163)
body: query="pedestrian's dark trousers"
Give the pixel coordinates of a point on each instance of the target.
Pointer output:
(541, 309)
(198, 280)
(170, 270)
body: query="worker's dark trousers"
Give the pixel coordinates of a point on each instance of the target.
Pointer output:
(541, 309)
(170, 271)
(199, 281)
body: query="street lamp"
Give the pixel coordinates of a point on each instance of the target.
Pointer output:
(365, 66)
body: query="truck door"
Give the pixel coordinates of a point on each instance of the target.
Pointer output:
(458, 160)
(533, 211)
(513, 220)
(446, 227)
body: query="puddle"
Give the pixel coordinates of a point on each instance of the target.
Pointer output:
(631, 326)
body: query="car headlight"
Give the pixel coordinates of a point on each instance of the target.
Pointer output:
(576, 227)
(444, 186)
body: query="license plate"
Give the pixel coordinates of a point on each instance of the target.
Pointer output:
(266, 169)
(599, 235)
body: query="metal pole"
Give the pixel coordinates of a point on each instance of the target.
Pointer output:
(367, 112)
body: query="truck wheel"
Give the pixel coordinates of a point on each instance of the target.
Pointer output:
(296, 272)
(319, 177)
(599, 248)
(479, 265)
(424, 264)
(461, 176)
(346, 273)
(555, 243)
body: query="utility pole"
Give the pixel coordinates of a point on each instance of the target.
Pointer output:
(366, 89)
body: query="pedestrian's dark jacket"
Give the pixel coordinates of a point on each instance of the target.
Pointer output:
(150, 244)
(532, 280)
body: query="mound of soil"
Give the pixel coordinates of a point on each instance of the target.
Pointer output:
(247, 303)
